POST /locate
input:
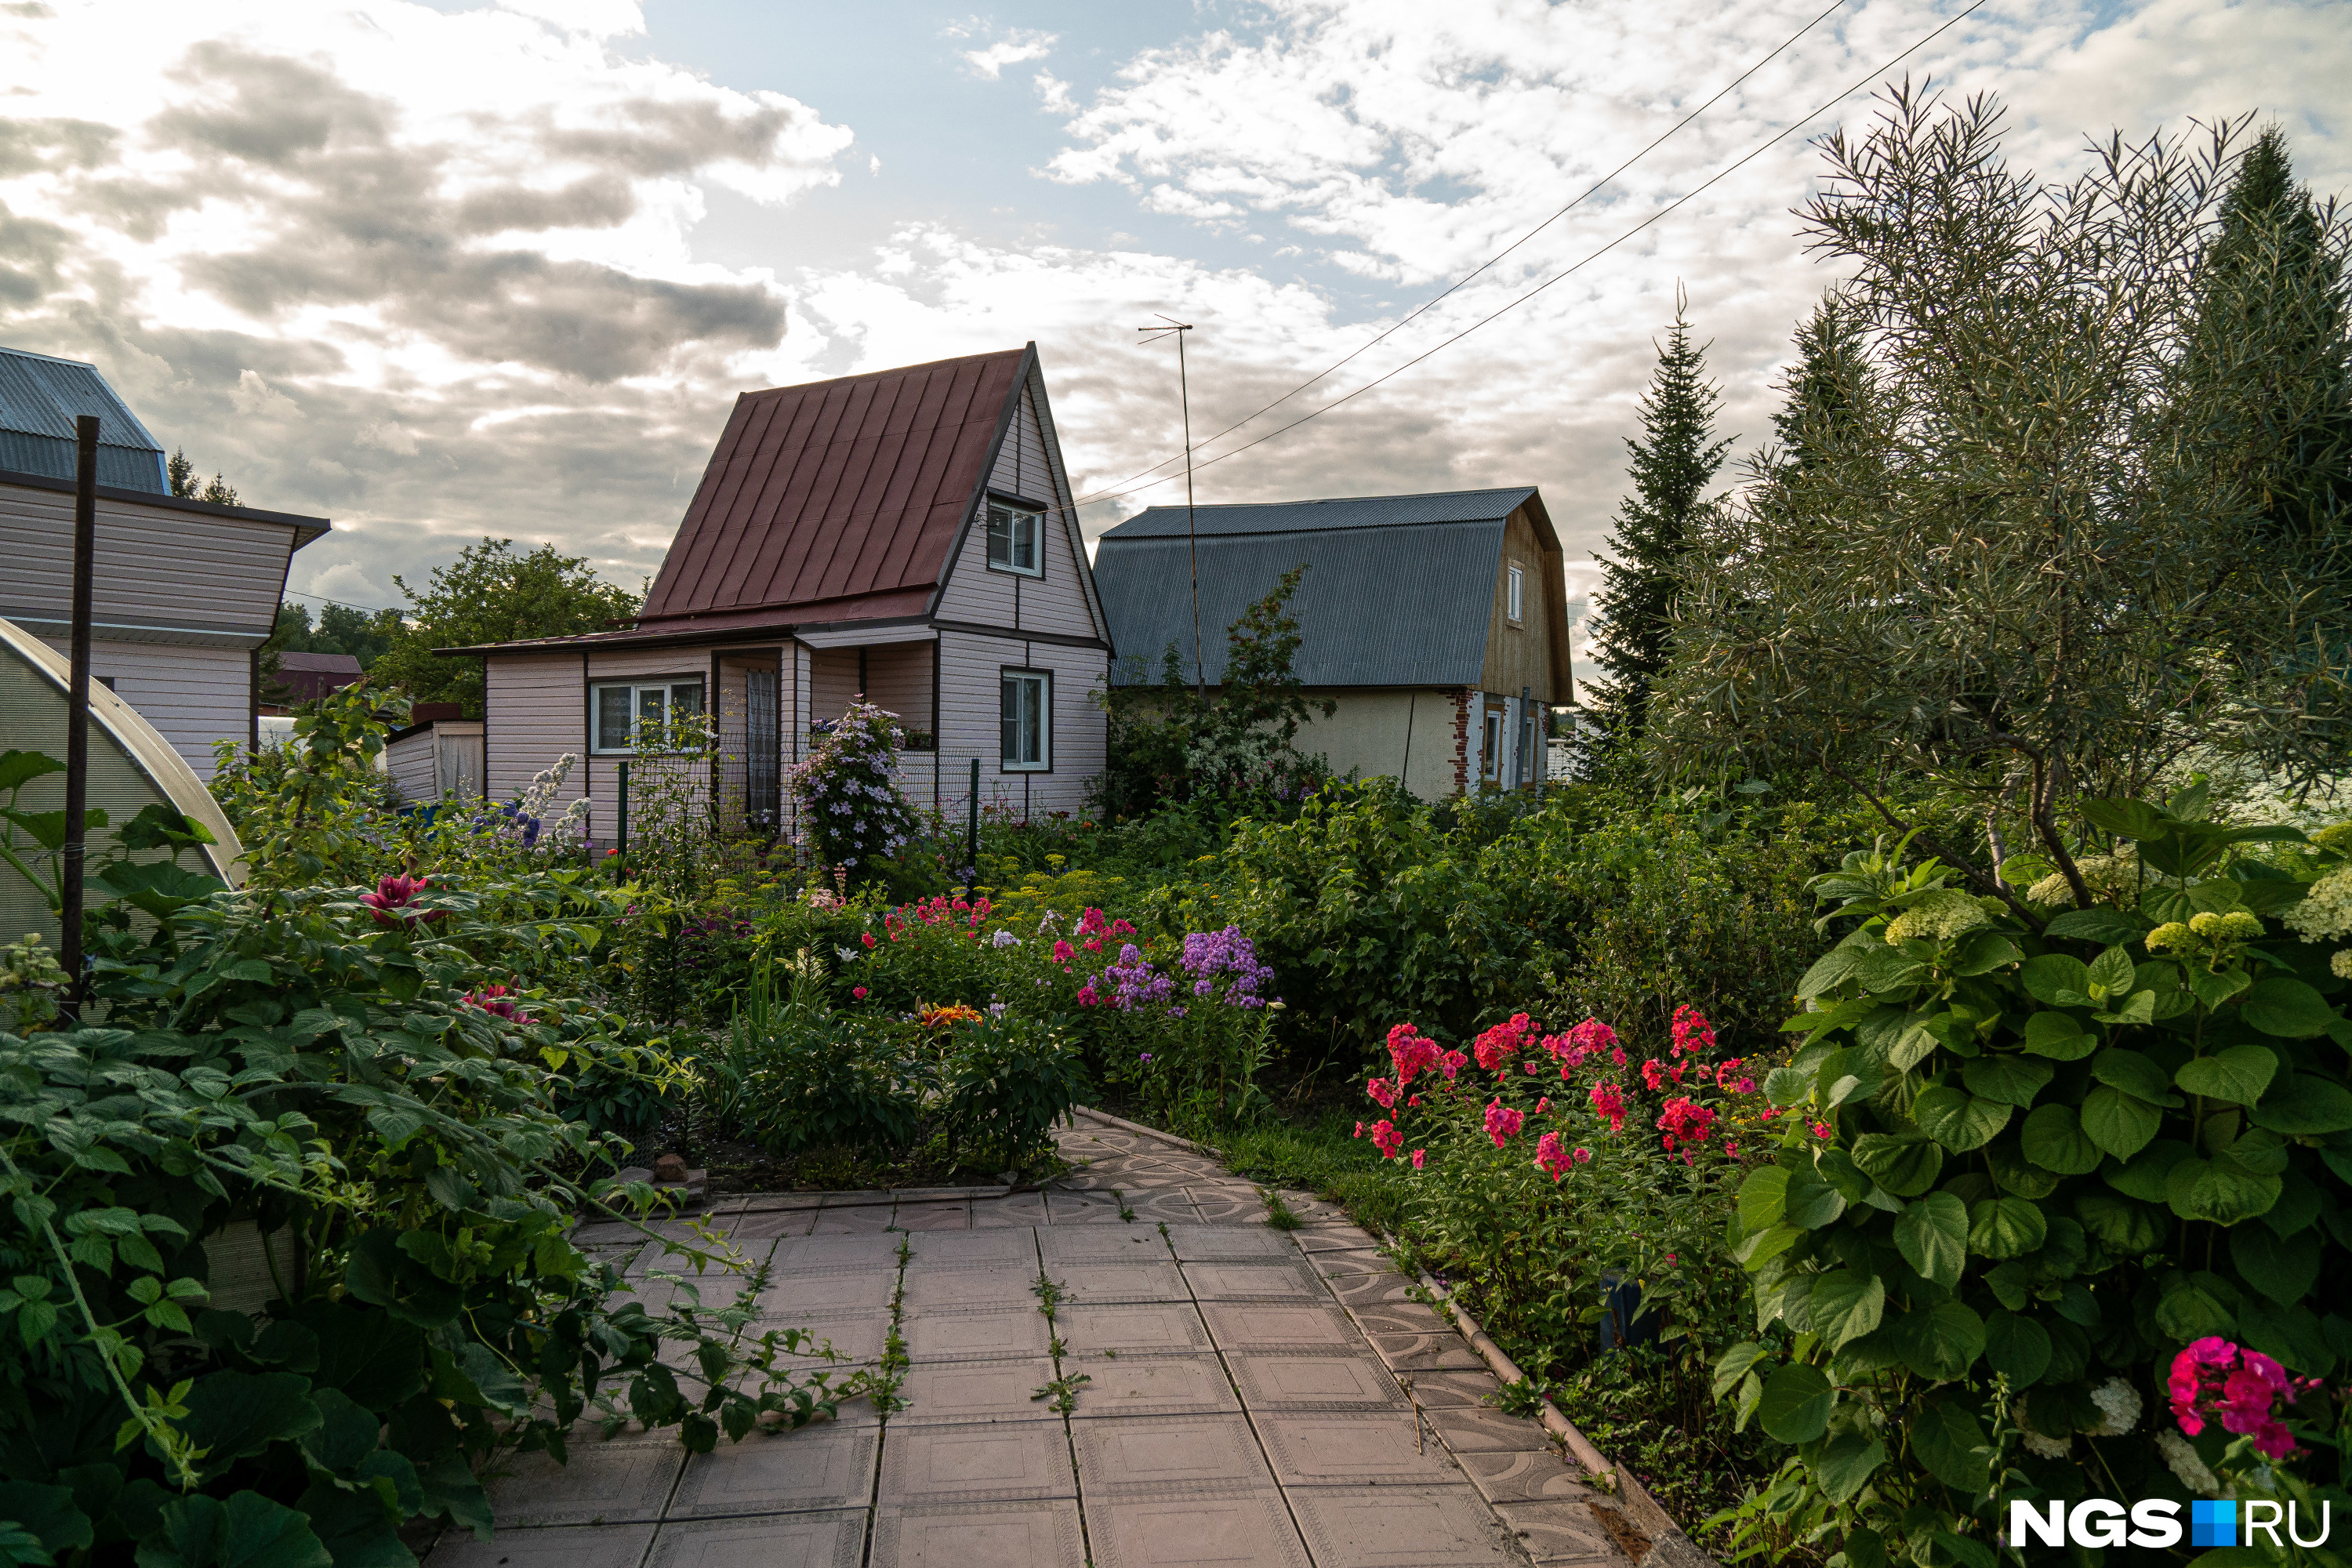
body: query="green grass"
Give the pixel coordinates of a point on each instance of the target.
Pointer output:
(1317, 1150)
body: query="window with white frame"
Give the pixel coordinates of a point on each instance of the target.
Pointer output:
(1492, 745)
(1015, 539)
(1028, 724)
(1528, 745)
(622, 710)
(1519, 592)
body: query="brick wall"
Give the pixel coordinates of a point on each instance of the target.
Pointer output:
(1462, 781)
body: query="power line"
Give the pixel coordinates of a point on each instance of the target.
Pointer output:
(1464, 280)
(322, 598)
(1747, 158)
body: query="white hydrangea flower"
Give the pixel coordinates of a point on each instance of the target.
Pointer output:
(2119, 1404)
(2107, 875)
(2183, 1462)
(2326, 910)
(1941, 915)
(2035, 1443)
(2340, 965)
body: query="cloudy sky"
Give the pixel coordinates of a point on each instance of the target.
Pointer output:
(437, 271)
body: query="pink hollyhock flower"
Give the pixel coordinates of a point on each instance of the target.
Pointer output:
(1387, 1140)
(858, 991)
(1552, 1159)
(1693, 1032)
(1418, 1156)
(1382, 1089)
(1502, 1123)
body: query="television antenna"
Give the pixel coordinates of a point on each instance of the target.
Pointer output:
(1176, 329)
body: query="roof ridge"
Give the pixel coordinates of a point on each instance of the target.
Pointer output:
(1336, 501)
(893, 370)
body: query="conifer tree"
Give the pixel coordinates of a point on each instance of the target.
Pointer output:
(1675, 458)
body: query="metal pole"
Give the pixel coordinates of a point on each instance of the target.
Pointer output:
(69, 861)
(623, 844)
(971, 833)
(1184, 390)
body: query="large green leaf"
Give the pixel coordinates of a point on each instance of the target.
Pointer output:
(2290, 1332)
(20, 768)
(2053, 1138)
(2285, 1269)
(1811, 1202)
(2006, 1228)
(2112, 971)
(1957, 1119)
(1982, 952)
(1904, 1166)
(2143, 1176)
(1948, 1441)
(2011, 1080)
(1938, 1342)
(1846, 1463)
(237, 1414)
(1831, 970)
(2305, 1105)
(2134, 1073)
(2096, 925)
(1763, 1198)
(356, 1526)
(47, 1513)
(1933, 1236)
(2049, 974)
(2120, 1123)
(2058, 1037)
(1845, 1304)
(2188, 1312)
(2238, 1075)
(346, 1433)
(2288, 1008)
(2220, 1189)
(2121, 1224)
(159, 887)
(248, 1531)
(1733, 1364)
(2017, 1346)
(1796, 1405)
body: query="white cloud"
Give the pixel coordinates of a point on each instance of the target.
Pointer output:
(1020, 44)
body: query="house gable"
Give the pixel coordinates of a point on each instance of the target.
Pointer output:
(1532, 655)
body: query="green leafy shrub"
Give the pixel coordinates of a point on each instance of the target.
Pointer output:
(1007, 1081)
(2061, 1154)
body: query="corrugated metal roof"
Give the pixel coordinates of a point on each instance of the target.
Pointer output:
(839, 499)
(39, 398)
(1346, 511)
(1382, 604)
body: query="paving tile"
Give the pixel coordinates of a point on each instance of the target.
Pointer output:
(854, 1336)
(606, 1233)
(1399, 1318)
(1271, 1281)
(870, 1198)
(1233, 1530)
(816, 1467)
(1106, 1282)
(1474, 1429)
(933, 1217)
(1335, 1239)
(838, 1293)
(1523, 1475)
(1206, 1243)
(695, 1256)
(1102, 1244)
(1081, 1208)
(1440, 1350)
(871, 1254)
(940, 1334)
(599, 1546)
(1222, 1207)
(977, 1464)
(1309, 1381)
(1087, 1180)
(975, 1391)
(1362, 1449)
(766, 1203)
(1453, 1390)
(607, 1480)
(978, 1285)
(1262, 1325)
(1372, 1289)
(753, 1224)
(1170, 1208)
(1406, 1527)
(1353, 1261)
(1002, 1248)
(1153, 1386)
(1561, 1532)
(834, 1539)
(1137, 1327)
(851, 1222)
(1037, 1535)
(1022, 1209)
(1200, 1453)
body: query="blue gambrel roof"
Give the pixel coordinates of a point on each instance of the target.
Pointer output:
(39, 398)
(1399, 590)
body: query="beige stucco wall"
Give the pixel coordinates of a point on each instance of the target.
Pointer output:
(1406, 734)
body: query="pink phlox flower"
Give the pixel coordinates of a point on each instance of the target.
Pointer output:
(1653, 1074)
(1617, 1055)
(1610, 1101)
(1092, 923)
(1502, 1042)
(1821, 1130)
(858, 991)
(1451, 1063)
(1412, 1051)
(2213, 1377)
(1686, 1120)
(1584, 1156)
(1064, 952)
(1543, 1104)
(1551, 1158)
(1086, 994)
(1503, 1122)
(1693, 1034)
(1414, 1103)
(1387, 1140)
(1418, 1156)
(1591, 1036)
(1120, 928)
(1382, 1089)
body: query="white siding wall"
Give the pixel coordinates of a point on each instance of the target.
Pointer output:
(974, 593)
(156, 567)
(409, 760)
(1055, 603)
(971, 682)
(533, 716)
(193, 696)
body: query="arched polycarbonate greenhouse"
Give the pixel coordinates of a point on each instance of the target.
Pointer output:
(130, 767)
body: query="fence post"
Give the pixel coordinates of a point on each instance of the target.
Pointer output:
(623, 826)
(972, 834)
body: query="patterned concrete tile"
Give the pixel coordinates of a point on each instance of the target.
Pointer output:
(1132, 1328)
(1175, 1453)
(1313, 1380)
(754, 1224)
(1231, 1530)
(1373, 1289)
(1102, 1244)
(1359, 1449)
(851, 1222)
(1269, 1281)
(840, 1294)
(870, 1254)
(1440, 1350)
(1022, 1209)
(1172, 1208)
(601, 1546)
(995, 1333)
(1335, 1239)
(1355, 1261)
(1006, 1248)
(1107, 1282)
(1082, 1208)
(982, 1285)
(1154, 1385)
(817, 1467)
(1474, 1429)
(1221, 1205)
(1399, 1527)
(1262, 1325)
(1523, 1475)
(766, 1203)
(975, 1391)
(615, 1480)
(1208, 1243)
(933, 1217)
(1400, 1318)
(1455, 1390)
(1034, 1534)
(854, 1337)
(1561, 1532)
(834, 1539)
(977, 1464)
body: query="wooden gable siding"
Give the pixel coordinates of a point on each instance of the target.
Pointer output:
(971, 693)
(193, 696)
(179, 575)
(1521, 656)
(1057, 603)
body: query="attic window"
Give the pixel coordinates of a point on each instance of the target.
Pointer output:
(1518, 592)
(1015, 540)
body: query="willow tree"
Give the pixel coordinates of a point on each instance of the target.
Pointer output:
(2022, 554)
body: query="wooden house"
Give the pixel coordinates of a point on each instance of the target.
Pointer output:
(1438, 623)
(910, 534)
(184, 593)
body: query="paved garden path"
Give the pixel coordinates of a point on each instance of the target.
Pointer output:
(1240, 1395)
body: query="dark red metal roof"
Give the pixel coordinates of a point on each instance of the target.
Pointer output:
(837, 500)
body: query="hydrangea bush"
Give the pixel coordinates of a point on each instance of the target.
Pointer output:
(2047, 1171)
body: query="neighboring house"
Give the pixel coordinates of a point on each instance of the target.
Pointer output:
(184, 593)
(438, 753)
(910, 534)
(1437, 622)
(306, 678)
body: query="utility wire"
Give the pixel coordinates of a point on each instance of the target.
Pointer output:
(298, 594)
(1464, 280)
(1747, 158)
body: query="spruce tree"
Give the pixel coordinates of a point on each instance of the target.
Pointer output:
(1674, 459)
